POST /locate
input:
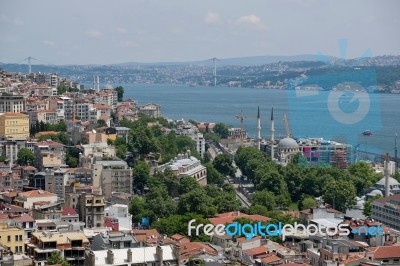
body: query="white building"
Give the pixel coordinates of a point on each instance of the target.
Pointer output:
(120, 212)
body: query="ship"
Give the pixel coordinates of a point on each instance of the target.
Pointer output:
(367, 133)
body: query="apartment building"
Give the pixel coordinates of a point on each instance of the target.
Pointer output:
(91, 210)
(387, 211)
(14, 126)
(71, 246)
(49, 154)
(12, 104)
(12, 237)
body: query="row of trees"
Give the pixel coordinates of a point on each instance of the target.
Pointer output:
(338, 187)
(41, 126)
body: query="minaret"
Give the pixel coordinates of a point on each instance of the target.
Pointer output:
(272, 134)
(386, 173)
(98, 83)
(94, 82)
(258, 129)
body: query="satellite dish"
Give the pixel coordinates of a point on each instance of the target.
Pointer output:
(94, 131)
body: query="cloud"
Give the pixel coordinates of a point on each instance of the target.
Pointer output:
(212, 18)
(48, 43)
(121, 30)
(128, 44)
(94, 33)
(251, 20)
(15, 21)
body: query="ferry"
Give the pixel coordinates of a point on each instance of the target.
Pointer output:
(367, 133)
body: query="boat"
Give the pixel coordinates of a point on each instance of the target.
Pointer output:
(193, 84)
(367, 133)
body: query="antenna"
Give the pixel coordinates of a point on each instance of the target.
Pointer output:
(395, 153)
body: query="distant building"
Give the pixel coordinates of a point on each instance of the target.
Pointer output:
(91, 210)
(28, 198)
(12, 237)
(14, 126)
(12, 104)
(150, 110)
(186, 165)
(49, 154)
(160, 255)
(113, 240)
(47, 211)
(71, 245)
(387, 211)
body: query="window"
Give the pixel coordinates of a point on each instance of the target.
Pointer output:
(8, 238)
(16, 238)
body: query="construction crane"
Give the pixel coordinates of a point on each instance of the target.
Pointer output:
(285, 120)
(241, 117)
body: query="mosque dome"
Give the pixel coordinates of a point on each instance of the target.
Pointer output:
(392, 182)
(288, 143)
(376, 192)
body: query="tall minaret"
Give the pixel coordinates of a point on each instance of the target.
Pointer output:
(94, 82)
(258, 129)
(386, 174)
(97, 83)
(272, 134)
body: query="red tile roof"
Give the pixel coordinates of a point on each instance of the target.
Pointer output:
(69, 211)
(243, 239)
(24, 219)
(230, 217)
(270, 259)
(36, 193)
(386, 252)
(256, 251)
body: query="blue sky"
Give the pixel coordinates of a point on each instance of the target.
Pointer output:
(106, 32)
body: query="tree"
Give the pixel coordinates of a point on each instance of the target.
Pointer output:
(222, 130)
(223, 164)
(120, 93)
(264, 198)
(308, 202)
(101, 123)
(341, 194)
(367, 211)
(25, 157)
(138, 209)
(197, 202)
(56, 258)
(213, 176)
(141, 174)
(188, 184)
(3, 158)
(72, 162)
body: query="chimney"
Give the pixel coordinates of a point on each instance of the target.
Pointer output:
(159, 254)
(91, 258)
(177, 252)
(387, 175)
(129, 255)
(189, 154)
(110, 257)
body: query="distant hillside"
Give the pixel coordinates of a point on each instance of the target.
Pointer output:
(242, 61)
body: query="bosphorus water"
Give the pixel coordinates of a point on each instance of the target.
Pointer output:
(306, 119)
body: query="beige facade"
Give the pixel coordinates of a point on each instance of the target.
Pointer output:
(14, 125)
(12, 237)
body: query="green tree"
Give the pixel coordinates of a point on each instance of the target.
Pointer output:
(25, 157)
(56, 258)
(258, 209)
(341, 194)
(3, 158)
(101, 123)
(222, 130)
(142, 141)
(223, 164)
(264, 198)
(72, 162)
(213, 176)
(308, 202)
(197, 202)
(120, 93)
(138, 209)
(141, 174)
(367, 211)
(188, 184)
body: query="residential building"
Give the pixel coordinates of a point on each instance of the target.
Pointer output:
(71, 246)
(49, 154)
(150, 110)
(200, 143)
(27, 223)
(47, 211)
(308, 215)
(69, 215)
(45, 116)
(113, 240)
(82, 110)
(12, 237)
(55, 182)
(11, 147)
(91, 210)
(28, 198)
(387, 211)
(112, 176)
(14, 126)
(12, 104)
(98, 150)
(159, 255)
(121, 213)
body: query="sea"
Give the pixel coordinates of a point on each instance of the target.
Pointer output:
(333, 115)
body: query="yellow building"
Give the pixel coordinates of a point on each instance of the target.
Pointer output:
(14, 125)
(12, 237)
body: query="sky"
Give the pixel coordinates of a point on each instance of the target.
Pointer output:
(106, 32)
